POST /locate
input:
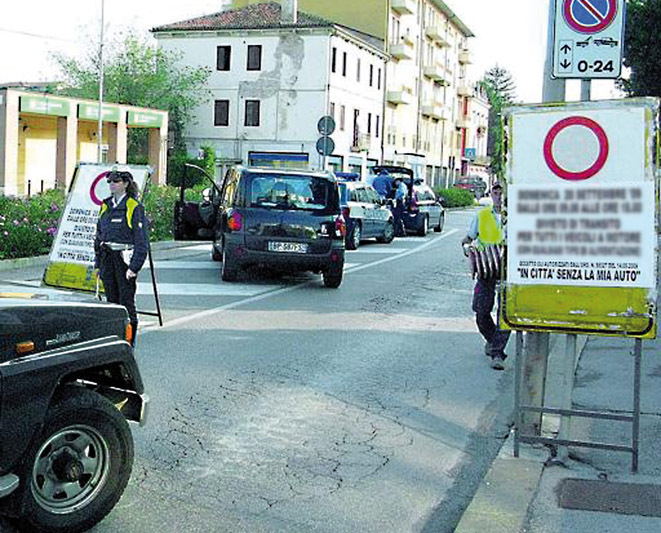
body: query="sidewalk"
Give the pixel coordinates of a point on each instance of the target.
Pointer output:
(531, 494)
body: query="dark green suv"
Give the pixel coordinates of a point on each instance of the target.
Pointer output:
(282, 219)
(68, 385)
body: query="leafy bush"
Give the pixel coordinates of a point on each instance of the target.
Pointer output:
(159, 207)
(28, 225)
(456, 197)
(178, 160)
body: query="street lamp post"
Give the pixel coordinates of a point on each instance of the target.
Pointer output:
(99, 132)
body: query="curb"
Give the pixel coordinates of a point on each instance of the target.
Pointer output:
(511, 484)
(42, 260)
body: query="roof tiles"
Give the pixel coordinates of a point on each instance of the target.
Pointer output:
(254, 16)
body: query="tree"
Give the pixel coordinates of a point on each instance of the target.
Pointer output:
(501, 83)
(137, 73)
(642, 48)
(501, 91)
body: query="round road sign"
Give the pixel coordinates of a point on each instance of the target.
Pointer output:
(93, 188)
(589, 16)
(551, 157)
(326, 125)
(325, 145)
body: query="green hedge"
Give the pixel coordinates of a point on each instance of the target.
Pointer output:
(28, 225)
(456, 197)
(159, 207)
(177, 167)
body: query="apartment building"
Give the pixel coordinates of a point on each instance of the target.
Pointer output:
(431, 101)
(275, 73)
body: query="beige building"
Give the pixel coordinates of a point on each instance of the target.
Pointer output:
(430, 109)
(43, 137)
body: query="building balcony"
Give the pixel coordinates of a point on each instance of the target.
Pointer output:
(463, 123)
(403, 7)
(401, 50)
(437, 34)
(465, 57)
(464, 90)
(436, 73)
(399, 96)
(434, 110)
(361, 143)
(482, 160)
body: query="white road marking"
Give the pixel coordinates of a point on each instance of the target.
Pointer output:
(206, 247)
(283, 290)
(204, 289)
(199, 265)
(379, 250)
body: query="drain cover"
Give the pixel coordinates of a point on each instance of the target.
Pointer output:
(609, 497)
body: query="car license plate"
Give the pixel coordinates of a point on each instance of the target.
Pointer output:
(293, 247)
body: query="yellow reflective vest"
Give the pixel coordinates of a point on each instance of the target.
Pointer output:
(489, 230)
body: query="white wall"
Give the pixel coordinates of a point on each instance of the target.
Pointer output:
(293, 88)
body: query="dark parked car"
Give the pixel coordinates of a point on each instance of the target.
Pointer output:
(475, 185)
(282, 219)
(366, 214)
(423, 210)
(68, 385)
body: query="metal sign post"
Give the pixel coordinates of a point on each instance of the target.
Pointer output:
(325, 145)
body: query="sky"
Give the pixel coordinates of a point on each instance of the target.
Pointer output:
(509, 33)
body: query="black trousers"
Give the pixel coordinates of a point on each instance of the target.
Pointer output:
(118, 289)
(484, 297)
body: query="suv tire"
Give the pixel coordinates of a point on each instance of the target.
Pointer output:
(215, 254)
(332, 276)
(229, 271)
(85, 439)
(353, 242)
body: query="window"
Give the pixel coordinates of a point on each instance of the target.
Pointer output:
(344, 63)
(334, 59)
(252, 113)
(371, 75)
(378, 80)
(221, 113)
(369, 122)
(332, 110)
(358, 70)
(376, 126)
(342, 113)
(223, 54)
(254, 57)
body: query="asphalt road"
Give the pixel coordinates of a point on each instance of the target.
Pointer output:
(280, 405)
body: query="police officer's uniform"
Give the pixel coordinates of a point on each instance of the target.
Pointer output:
(121, 243)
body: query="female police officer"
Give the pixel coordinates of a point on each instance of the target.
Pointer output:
(121, 243)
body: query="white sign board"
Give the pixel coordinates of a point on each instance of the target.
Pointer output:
(588, 38)
(71, 259)
(581, 210)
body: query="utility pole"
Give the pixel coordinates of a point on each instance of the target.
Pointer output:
(99, 131)
(537, 344)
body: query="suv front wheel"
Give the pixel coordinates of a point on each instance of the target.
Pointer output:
(78, 468)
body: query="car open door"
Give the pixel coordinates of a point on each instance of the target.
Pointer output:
(195, 221)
